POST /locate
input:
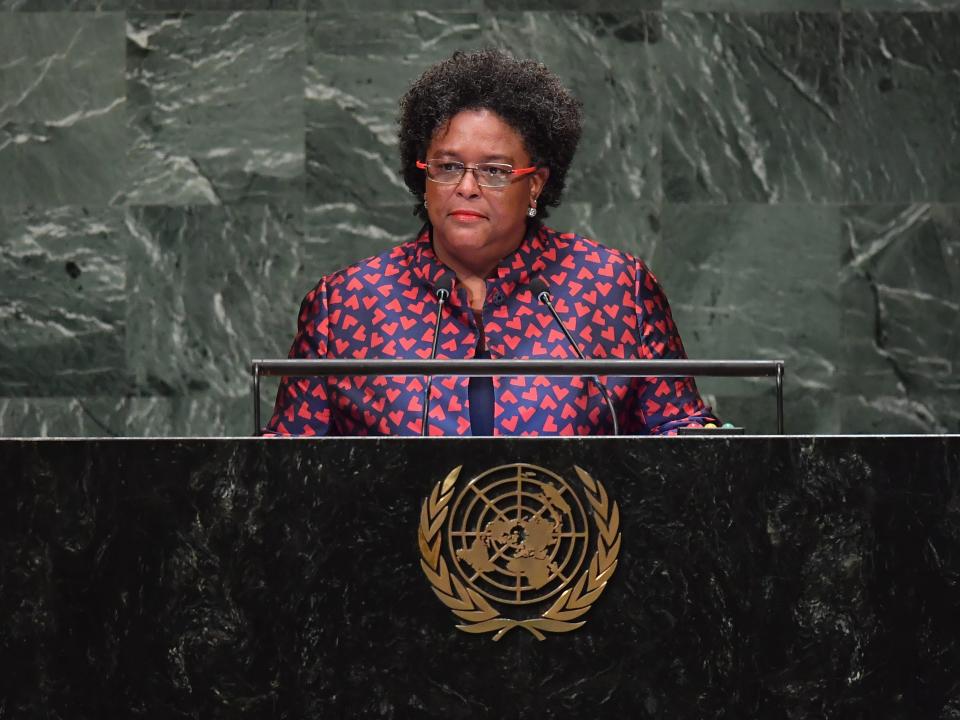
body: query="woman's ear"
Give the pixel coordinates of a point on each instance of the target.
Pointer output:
(537, 182)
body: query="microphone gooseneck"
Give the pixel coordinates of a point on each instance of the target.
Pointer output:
(441, 291)
(541, 291)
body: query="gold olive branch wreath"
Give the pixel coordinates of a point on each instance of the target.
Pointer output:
(470, 606)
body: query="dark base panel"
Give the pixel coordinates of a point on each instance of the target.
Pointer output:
(758, 577)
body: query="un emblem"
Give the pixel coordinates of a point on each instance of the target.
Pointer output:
(520, 539)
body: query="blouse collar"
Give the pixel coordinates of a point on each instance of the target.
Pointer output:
(515, 270)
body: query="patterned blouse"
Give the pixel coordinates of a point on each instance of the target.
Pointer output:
(385, 307)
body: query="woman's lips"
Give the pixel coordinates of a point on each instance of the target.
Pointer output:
(466, 216)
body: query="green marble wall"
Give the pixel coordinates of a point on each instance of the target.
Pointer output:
(175, 174)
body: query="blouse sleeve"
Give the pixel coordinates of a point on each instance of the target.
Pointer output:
(664, 404)
(302, 406)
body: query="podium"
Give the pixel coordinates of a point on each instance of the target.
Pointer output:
(774, 576)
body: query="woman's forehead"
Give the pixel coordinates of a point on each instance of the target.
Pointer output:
(478, 131)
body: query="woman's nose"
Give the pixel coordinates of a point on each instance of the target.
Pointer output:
(468, 183)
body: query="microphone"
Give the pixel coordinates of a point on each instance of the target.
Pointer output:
(541, 291)
(443, 285)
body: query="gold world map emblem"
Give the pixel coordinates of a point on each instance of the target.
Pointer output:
(517, 547)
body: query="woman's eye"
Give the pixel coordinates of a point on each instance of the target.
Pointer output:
(451, 167)
(494, 170)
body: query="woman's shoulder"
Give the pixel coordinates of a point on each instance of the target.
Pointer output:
(604, 268)
(588, 252)
(370, 272)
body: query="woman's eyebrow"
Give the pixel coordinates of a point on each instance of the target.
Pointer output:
(498, 158)
(493, 158)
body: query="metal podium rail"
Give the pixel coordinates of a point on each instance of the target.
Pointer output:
(622, 368)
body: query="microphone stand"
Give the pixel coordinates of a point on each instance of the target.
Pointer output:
(443, 294)
(544, 297)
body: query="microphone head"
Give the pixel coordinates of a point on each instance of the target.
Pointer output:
(443, 284)
(540, 289)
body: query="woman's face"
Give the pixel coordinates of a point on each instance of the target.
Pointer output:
(475, 227)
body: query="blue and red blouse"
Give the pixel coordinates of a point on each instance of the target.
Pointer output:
(385, 307)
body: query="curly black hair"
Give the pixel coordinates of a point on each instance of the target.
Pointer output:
(528, 97)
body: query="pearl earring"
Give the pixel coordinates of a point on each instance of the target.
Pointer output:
(532, 212)
(424, 203)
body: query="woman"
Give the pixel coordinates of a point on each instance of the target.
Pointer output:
(485, 144)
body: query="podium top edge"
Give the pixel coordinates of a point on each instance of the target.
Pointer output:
(394, 438)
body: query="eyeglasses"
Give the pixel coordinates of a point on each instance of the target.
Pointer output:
(492, 175)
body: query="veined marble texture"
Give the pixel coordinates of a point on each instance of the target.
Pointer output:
(358, 8)
(901, 318)
(752, 5)
(203, 180)
(610, 62)
(586, 6)
(902, 106)
(65, 416)
(212, 5)
(62, 102)
(354, 80)
(216, 107)
(357, 68)
(62, 5)
(759, 282)
(752, 107)
(634, 227)
(901, 4)
(200, 414)
(339, 234)
(122, 416)
(211, 288)
(62, 302)
(149, 5)
(145, 324)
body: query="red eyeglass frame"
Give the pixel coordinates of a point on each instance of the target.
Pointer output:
(515, 171)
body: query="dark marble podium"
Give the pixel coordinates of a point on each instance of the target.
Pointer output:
(761, 577)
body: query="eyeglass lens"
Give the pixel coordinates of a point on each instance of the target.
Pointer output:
(487, 174)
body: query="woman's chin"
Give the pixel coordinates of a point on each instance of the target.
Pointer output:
(463, 236)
